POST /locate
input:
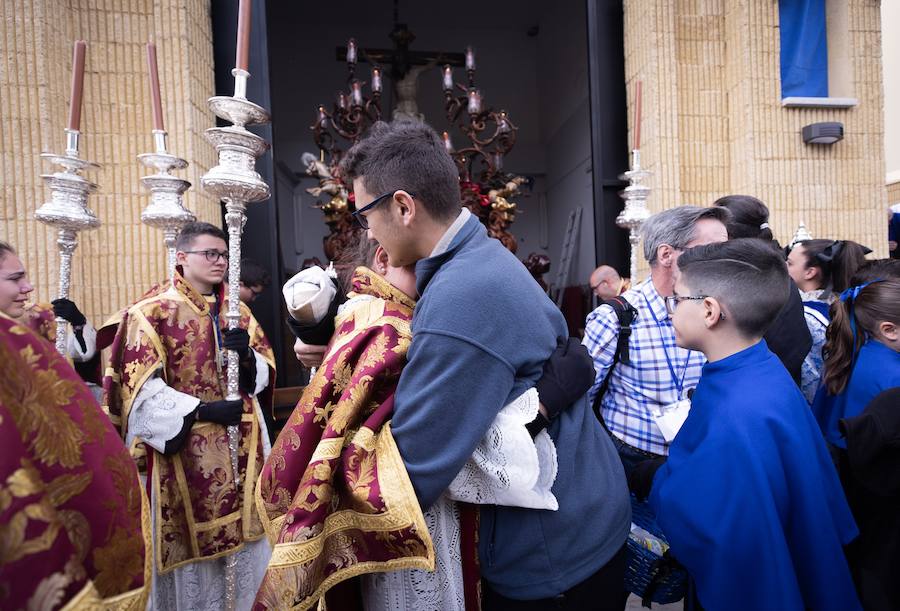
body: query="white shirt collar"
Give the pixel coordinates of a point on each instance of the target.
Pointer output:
(444, 243)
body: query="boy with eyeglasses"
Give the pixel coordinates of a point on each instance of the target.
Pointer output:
(748, 496)
(165, 390)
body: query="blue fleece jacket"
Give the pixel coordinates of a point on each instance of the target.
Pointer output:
(482, 330)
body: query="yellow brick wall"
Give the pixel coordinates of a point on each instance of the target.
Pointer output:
(893, 193)
(121, 259)
(713, 121)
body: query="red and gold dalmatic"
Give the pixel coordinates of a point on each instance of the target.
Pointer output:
(74, 522)
(39, 317)
(334, 495)
(199, 512)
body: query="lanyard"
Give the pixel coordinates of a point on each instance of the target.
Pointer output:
(679, 383)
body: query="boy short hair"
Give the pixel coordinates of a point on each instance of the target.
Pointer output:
(254, 274)
(408, 155)
(192, 231)
(746, 275)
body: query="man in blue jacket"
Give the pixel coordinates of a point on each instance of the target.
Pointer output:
(482, 330)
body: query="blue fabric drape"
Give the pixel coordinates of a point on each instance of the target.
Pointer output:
(804, 48)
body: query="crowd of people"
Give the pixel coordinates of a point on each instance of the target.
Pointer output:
(454, 448)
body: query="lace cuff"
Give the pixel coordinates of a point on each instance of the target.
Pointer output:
(158, 413)
(508, 467)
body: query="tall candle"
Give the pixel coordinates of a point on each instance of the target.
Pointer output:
(351, 51)
(474, 102)
(242, 57)
(448, 78)
(637, 117)
(77, 85)
(155, 97)
(356, 93)
(447, 144)
(470, 58)
(376, 80)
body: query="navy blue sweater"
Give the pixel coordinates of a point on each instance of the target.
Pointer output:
(482, 330)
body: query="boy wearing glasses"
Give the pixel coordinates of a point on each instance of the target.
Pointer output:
(748, 496)
(165, 390)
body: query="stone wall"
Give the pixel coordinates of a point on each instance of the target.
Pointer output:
(114, 264)
(714, 123)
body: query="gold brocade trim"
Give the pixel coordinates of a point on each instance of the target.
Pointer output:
(193, 525)
(398, 494)
(328, 449)
(269, 526)
(365, 439)
(181, 480)
(381, 288)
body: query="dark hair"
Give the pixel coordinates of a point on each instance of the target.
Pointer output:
(875, 303)
(746, 275)
(5, 249)
(883, 269)
(749, 217)
(407, 155)
(360, 254)
(192, 231)
(837, 260)
(254, 274)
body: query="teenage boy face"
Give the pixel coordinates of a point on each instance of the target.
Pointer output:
(14, 286)
(387, 226)
(198, 270)
(688, 318)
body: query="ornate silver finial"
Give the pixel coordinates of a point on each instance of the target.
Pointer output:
(635, 211)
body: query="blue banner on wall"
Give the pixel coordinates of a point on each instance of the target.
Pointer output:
(804, 48)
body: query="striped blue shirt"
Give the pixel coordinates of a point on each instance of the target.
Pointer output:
(660, 373)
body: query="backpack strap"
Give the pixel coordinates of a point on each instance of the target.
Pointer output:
(625, 315)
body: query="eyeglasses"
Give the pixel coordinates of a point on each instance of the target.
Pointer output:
(358, 214)
(212, 256)
(672, 301)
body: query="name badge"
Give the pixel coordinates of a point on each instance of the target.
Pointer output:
(670, 418)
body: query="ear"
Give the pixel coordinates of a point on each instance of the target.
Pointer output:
(381, 260)
(889, 330)
(405, 206)
(811, 272)
(713, 314)
(665, 254)
(180, 257)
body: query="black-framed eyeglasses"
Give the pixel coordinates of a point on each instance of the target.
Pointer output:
(211, 255)
(358, 214)
(672, 301)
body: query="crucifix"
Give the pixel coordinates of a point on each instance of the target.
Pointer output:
(406, 65)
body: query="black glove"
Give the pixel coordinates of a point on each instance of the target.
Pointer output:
(237, 340)
(568, 375)
(640, 480)
(67, 310)
(221, 412)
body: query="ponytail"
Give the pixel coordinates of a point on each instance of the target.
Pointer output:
(854, 318)
(837, 261)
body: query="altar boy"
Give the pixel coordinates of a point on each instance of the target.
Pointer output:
(748, 497)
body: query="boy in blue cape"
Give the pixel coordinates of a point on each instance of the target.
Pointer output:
(748, 497)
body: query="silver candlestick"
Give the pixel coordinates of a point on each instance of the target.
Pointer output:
(68, 212)
(166, 208)
(235, 181)
(635, 211)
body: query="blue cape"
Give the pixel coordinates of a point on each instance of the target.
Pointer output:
(877, 369)
(749, 499)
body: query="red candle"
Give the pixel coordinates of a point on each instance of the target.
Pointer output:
(242, 59)
(637, 117)
(77, 85)
(155, 97)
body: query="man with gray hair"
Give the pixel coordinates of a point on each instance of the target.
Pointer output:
(642, 393)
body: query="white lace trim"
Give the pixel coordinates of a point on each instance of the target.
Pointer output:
(158, 412)
(508, 467)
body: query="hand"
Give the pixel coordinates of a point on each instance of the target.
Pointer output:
(640, 479)
(227, 413)
(66, 309)
(568, 375)
(309, 355)
(237, 340)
